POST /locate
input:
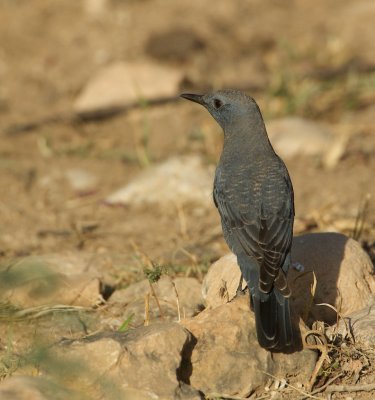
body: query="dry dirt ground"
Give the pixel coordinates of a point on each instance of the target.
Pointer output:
(313, 59)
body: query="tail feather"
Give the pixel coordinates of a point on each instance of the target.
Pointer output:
(272, 318)
(272, 314)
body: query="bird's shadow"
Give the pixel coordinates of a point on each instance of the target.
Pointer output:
(315, 289)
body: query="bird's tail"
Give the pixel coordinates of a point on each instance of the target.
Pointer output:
(272, 318)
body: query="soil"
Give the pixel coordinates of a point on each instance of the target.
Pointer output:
(295, 58)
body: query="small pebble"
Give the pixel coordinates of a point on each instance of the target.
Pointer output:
(282, 384)
(275, 395)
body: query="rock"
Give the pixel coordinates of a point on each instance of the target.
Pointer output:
(294, 136)
(131, 300)
(81, 181)
(123, 84)
(174, 45)
(145, 360)
(343, 270)
(361, 325)
(49, 280)
(34, 388)
(177, 181)
(221, 281)
(227, 358)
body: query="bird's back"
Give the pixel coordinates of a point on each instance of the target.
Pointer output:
(254, 196)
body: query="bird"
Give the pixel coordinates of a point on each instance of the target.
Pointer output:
(254, 195)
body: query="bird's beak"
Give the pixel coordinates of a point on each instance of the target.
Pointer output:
(197, 98)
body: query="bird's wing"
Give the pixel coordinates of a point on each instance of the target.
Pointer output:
(264, 234)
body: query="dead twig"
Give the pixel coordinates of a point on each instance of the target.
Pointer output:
(307, 395)
(367, 387)
(323, 348)
(322, 388)
(213, 396)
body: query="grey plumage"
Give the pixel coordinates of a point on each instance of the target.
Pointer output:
(254, 196)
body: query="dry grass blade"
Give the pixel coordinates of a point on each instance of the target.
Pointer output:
(194, 260)
(323, 348)
(311, 302)
(339, 316)
(153, 273)
(177, 301)
(9, 312)
(361, 218)
(336, 152)
(156, 299)
(182, 219)
(312, 291)
(145, 260)
(147, 309)
(307, 395)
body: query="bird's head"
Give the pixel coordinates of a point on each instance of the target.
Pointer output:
(226, 106)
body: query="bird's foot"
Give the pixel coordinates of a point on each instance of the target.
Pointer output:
(240, 291)
(298, 267)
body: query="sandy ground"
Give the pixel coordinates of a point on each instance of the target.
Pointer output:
(296, 58)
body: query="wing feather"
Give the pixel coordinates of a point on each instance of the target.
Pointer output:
(263, 234)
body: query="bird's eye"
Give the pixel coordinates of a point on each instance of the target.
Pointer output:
(217, 103)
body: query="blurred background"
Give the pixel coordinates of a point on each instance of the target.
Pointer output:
(102, 164)
(88, 105)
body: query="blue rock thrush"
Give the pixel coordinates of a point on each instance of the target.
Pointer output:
(254, 195)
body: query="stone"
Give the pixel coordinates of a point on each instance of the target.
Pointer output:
(221, 281)
(81, 181)
(131, 300)
(361, 325)
(49, 280)
(174, 45)
(177, 181)
(344, 274)
(295, 136)
(227, 358)
(123, 84)
(343, 271)
(146, 360)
